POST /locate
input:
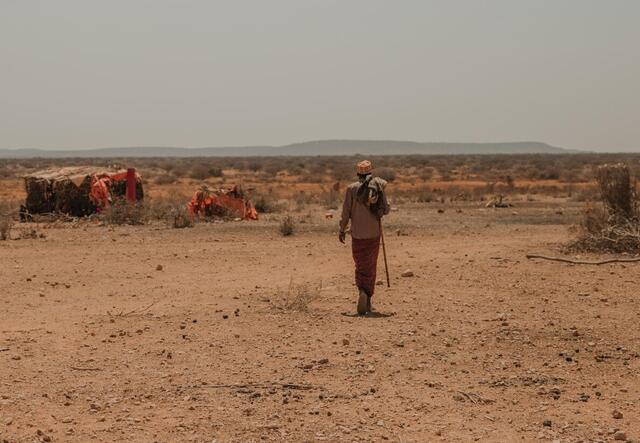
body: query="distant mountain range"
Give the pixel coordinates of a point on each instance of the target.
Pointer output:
(312, 148)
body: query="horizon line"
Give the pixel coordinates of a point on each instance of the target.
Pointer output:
(287, 144)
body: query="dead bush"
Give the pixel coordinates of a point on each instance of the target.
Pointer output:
(121, 212)
(343, 172)
(617, 190)
(287, 226)
(424, 195)
(597, 234)
(426, 174)
(6, 220)
(216, 172)
(171, 209)
(6, 223)
(299, 296)
(302, 199)
(26, 233)
(163, 209)
(586, 194)
(182, 218)
(445, 175)
(331, 199)
(614, 225)
(266, 203)
(387, 174)
(199, 172)
(165, 179)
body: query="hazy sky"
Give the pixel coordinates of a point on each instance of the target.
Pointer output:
(84, 73)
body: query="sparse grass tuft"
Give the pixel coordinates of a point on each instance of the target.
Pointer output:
(287, 226)
(182, 218)
(6, 221)
(299, 296)
(29, 233)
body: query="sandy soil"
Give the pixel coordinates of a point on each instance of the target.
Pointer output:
(97, 343)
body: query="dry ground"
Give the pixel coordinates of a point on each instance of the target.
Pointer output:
(98, 344)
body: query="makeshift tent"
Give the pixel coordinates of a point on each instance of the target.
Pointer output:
(76, 190)
(222, 202)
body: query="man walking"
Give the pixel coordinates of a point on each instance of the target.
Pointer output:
(364, 205)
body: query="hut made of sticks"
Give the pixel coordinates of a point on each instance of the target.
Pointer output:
(68, 190)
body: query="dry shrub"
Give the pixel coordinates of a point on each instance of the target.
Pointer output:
(287, 226)
(164, 208)
(182, 218)
(586, 194)
(216, 172)
(165, 179)
(171, 209)
(299, 296)
(26, 233)
(6, 171)
(6, 220)
(6, 223)
(343, 171)
(266, 203)
(302, 199)
(598, 234)
(426, 174)
(594, 218)
(385, 173)
(121, 212)
(424, 195)
(614, 226)
(331, 199)
(617, 190)
(199, 172)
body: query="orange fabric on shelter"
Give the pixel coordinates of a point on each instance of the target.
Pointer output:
(205, 202)
(100, 193)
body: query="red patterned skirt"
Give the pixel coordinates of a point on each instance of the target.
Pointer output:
(365, 255)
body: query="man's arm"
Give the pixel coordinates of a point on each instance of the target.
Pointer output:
(346, 211)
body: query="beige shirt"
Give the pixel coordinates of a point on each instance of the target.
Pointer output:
(363, 223)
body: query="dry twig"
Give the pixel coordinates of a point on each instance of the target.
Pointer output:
(258, 385)
(475, 398)
(584, 262)
(135, 311)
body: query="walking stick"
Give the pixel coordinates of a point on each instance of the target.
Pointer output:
(384, 253)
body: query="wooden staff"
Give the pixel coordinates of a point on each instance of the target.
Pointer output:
(384, 253)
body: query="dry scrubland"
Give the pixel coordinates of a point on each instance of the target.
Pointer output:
(311, 179)
(415, 177)
(234, 332)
